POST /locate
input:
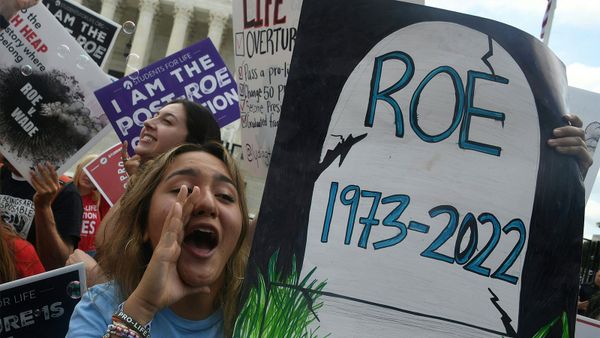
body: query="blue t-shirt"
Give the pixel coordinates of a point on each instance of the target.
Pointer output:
(94, 312)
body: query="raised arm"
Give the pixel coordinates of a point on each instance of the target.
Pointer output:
(52, 244)
(8, 8)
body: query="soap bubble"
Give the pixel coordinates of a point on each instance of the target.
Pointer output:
(26, 70)
(63, 51)
(57, 3)
(133, 59)
(74, 289)
(133, 65)
(128, 27)
(83, 61)
(133, 73)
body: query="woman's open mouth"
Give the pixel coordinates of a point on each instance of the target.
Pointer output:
(201, 241)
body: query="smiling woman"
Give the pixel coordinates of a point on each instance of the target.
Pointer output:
(178, 254)
(178, 122)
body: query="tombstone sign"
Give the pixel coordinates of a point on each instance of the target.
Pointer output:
(411, 192)
(41, 305)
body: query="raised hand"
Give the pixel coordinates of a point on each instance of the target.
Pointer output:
(132, 163)
(161, 285)
(93, 273)
(8, 8)
(46, 184)
(22, 4)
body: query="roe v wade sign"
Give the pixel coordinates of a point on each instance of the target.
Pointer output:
(425, 201)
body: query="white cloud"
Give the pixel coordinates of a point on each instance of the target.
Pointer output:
(478, 7)
(578, 13)
(584, 76)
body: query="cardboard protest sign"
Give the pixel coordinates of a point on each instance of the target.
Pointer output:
(585, 104)
(264, 36)
(264, 39)
(587, 327)
(108, 174)
(41, 305)
(197, 73)
(95, 33)
(47, 108)
(411, 192)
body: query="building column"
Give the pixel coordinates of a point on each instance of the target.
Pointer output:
(218, 22)
(183, 14)
(150, 44)
(109, 7)
(142, 34)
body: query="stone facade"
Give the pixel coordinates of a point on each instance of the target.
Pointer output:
(164, 27)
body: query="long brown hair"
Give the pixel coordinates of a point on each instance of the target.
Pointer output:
(200, 122)
(130, 222)
(8, 270)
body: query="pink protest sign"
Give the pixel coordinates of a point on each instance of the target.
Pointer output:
(108, 174)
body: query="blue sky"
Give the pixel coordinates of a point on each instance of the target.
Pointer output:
(575, 38)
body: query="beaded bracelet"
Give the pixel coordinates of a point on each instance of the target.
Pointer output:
(121, 330)
(148, 325)
(125, 319)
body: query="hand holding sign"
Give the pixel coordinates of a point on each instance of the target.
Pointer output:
(41, 305)
(93, 272)
(8, 8)
(46, 184)
(570, 140)
(131, 163)
(424, 178)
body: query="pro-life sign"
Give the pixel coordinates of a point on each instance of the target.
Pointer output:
(41, 305)
(95, 33)
(197, 73)
(411, 181)
(108, 174)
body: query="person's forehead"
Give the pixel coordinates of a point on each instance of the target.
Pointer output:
(202, 162)
(176, 109)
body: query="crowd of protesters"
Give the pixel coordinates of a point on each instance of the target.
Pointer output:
(172, 251)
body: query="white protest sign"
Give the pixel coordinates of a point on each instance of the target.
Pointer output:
(264, 36)
(48, 111)
(411, 192)
(424, 200)
(587, 327)
(586, 105)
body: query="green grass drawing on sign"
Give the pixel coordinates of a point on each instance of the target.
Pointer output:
(281, 306)
(545, 330)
